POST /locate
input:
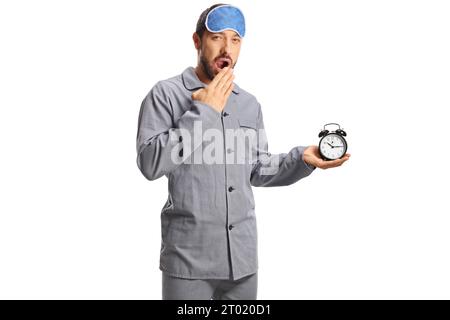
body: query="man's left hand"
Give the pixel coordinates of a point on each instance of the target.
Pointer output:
(311, 156)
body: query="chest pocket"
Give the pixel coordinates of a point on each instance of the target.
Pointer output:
(247, 123)
(246, 140)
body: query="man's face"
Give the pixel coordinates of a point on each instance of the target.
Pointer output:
(218, 50)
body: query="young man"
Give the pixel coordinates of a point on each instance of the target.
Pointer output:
(187, 131)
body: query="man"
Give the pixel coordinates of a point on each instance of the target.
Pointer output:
(187, 131)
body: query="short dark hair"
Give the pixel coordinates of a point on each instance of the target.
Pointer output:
(201, 28)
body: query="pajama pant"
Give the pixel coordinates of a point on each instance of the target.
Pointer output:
(174, 288)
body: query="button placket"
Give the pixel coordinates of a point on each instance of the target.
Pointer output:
(180, 140)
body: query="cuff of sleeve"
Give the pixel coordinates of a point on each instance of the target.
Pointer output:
(205, 111)
(199, 111)
(194, 121)
(307, 165)
(310, 166)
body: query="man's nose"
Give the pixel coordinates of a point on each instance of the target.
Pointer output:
(226, 48)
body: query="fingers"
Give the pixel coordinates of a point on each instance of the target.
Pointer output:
(323, 164)
(219, 76)
(224, 81)
(229, 89)
(197, 95)
(335, 163)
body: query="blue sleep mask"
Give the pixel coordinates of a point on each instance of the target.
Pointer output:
(226, 17)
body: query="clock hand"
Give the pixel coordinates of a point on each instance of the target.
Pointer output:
(330, 145)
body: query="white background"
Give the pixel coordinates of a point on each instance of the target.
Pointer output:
(79, 221)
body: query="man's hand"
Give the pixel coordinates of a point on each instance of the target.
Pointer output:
(217, 92)
(311, 156)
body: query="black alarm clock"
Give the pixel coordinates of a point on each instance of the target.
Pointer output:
(332, 144)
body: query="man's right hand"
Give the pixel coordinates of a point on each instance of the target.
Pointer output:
(216, 93)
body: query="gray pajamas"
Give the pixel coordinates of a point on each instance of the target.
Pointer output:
(174, 288)
(208, 223)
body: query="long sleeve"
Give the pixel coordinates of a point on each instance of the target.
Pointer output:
(270, 170)
(163, 142)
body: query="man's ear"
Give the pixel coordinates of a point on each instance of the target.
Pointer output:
(197, 41)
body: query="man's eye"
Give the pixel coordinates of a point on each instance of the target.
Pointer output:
(216, 37)
(236, 40)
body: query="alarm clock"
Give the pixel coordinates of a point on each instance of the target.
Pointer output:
(332, 144)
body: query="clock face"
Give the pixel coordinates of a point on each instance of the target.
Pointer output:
(332, 146)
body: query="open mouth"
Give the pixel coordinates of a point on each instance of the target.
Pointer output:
(222, 63)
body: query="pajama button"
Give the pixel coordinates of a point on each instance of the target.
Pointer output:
(225, 114)
(230, 189)
(230, 227)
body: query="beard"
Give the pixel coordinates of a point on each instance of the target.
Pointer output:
(207, 69)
